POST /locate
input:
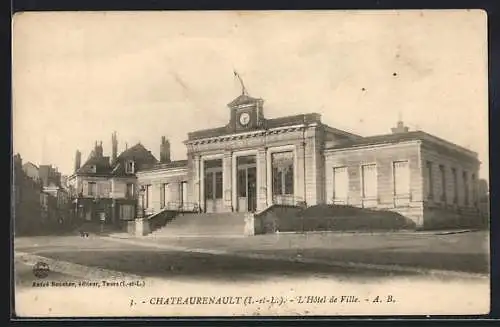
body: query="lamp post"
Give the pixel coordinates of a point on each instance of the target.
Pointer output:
(142, 190)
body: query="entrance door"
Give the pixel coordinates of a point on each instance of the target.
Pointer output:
(247, 184)
(252, 189)
(213, 186)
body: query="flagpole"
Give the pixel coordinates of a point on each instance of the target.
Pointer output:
(243, 88)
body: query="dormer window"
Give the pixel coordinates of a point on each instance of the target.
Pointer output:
(130, 167)
(93, 169)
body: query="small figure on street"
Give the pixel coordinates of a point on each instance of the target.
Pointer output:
(103, 220)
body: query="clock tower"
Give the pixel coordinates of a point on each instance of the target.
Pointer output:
(246, 113)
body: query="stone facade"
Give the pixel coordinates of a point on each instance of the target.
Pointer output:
(254, 162)
(383, 156)
(435, 197)
(166, 183)
(104, 185)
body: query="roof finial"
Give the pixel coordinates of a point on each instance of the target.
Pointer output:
(400, 116)
(243, 88)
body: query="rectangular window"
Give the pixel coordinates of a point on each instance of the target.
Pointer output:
(129, 167)
(466, 188)
(340, 184)
(401, 170)
(430, 181)
(92, 189)
(282, 173)
(149, 197)
(218, 185)
(369, 180)
(126, 212)
(164, 194)
(455, 185)
(129, 192)
(442, 176)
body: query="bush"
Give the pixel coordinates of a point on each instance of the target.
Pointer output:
(333, 218)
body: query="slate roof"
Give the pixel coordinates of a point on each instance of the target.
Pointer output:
(443, 146)
(29, 163)
(102, 166)
(267, 124)
(138, 153)
(167, 165)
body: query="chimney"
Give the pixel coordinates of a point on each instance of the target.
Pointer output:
(164, 150)
(18, 161)
(98, 149)
(400, 128)
(114, 147)
(78, 160)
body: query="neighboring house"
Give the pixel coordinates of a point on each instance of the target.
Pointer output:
(64, 182)
(51, 212)
(31, 170)
(51, 181)
(26, 200)
(59, 202)
(49, 175)
(105, 186)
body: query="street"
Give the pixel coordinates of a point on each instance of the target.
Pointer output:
(167, 271)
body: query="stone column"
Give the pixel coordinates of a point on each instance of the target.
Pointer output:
(234, 182)
(156, 195)
(311, 166)
(269, 178)
(227, 173)
(142, 227)
(201, 179)
(196, 179)
(300, 178)
(262, 181)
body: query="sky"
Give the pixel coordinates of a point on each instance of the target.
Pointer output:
(77, 77)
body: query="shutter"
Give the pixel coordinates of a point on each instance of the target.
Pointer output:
(401, 178)
(341, 183)
(184, 192)
(369, 178)
(126, 212)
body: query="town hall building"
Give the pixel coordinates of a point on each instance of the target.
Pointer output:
(254, 162)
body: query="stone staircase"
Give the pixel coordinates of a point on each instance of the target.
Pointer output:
(203, 224)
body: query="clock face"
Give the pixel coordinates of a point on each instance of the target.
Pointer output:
(244, 119)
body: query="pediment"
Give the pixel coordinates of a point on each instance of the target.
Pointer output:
(243, 100)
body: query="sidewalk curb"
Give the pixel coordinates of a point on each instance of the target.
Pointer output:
(382, 233)
(74, 269)
(341, 264)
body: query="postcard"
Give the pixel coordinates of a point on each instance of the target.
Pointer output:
(250, 163)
